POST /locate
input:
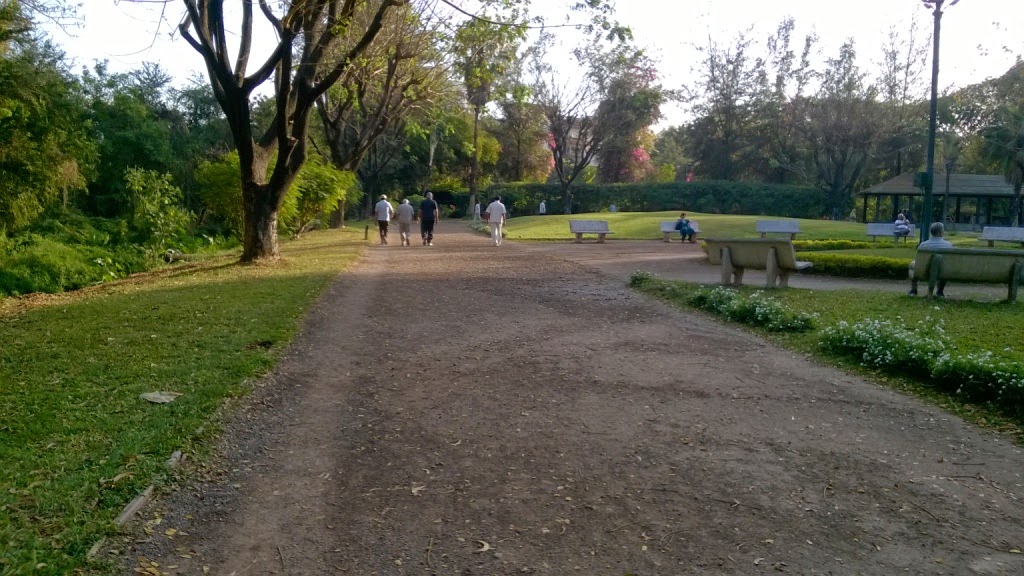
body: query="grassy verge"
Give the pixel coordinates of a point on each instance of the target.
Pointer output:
(76, 441)
(970, 329)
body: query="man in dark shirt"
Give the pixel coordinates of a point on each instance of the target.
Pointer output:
(428, 215)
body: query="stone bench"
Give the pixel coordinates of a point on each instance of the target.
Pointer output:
(969, 265)
(581, 227)
(668, 228)
(875, 229)
(791, 227)
(1002, 234)
(776, 257)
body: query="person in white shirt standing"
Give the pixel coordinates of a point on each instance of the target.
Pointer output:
(496, 219)
(384, 212)
(406, 215)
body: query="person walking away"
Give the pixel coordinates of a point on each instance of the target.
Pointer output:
(936, 230)
(406, 214)
(496, 219)
(476, 212)
(384, 212)
(429, 214)
(686, 231)
(542, 209)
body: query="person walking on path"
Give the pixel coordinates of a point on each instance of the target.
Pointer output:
(406, 214)
(429, 214)
(936, 230)
(384, 212)
(496, 219)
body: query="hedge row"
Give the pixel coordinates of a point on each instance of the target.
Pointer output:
(857, 266)
(716, 197)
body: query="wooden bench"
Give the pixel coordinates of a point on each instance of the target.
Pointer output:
(776, 257)
(668, 228)
(1002, 234)
(581, 227)
(970, 265)
(791, 227)
(876, 229)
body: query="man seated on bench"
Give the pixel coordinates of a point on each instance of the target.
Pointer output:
(936, 230)
(686, 231)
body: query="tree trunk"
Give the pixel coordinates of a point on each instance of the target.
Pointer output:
(259, 235)
(474, 168)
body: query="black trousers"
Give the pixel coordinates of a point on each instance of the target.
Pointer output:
(427, 229)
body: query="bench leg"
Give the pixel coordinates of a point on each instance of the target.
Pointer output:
(665, 236)
(731, 275)
(600, 238)
(1015, 279)
(579, 238)
(771, 269)
(784, 279)
(991, 244)
(934, 269)
(763, 234)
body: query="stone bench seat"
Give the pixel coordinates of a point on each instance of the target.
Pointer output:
(1002, 234)
(791, 227)
(581, 227)
(875, 229)
(668, 228)
(776, 257)
(969, 265)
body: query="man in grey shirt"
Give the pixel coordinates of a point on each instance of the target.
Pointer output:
(936, 230)
(406, 214)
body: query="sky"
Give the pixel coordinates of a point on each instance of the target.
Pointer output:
(979, 38)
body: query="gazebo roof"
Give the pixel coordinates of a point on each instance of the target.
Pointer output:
(959, 185)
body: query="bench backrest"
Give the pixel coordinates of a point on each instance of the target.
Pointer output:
(1006, 233)
(752, 252)
(670, 225)
(588, 226)
(781, 226)
(981, 264)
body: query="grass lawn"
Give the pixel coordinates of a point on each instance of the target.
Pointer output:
(76, 441)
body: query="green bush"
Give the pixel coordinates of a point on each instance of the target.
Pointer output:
(820, 245)
(981, 378)
(908, 351)
(755, 310)
(714, 197)
(41, 264)
(857, 266)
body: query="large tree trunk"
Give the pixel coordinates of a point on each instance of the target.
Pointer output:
(259, 235)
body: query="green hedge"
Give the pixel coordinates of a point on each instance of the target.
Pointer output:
(715, 197)
(819, 245)
(857, 266)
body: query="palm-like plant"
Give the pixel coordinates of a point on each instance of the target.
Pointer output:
(1003, 144)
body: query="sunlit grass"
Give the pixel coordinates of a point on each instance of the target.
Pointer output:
(76, 441)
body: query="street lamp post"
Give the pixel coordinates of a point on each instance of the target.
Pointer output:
(929, 179)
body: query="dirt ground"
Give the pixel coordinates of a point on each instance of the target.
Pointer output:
(470, 410)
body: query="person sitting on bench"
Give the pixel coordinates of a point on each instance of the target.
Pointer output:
(686, 231)
(902, 228)
(936, 230)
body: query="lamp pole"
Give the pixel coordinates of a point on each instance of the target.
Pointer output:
(929, 180)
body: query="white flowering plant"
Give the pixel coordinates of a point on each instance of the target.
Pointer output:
(981, 377)
(755, 310)
(888, 344)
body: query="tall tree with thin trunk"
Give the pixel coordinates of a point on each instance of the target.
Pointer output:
(303, 66)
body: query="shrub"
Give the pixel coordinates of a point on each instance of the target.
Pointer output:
(817, 245)
(888, 345)
(981, 377)
(857, 266)
(39, 264)
(756, 310)
(640, 278)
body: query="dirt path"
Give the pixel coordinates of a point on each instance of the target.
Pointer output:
(470, 410)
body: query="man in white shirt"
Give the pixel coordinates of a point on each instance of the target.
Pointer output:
(383, 211)
(496, 219)
(406, 214)
(936, 230)
(542, 209)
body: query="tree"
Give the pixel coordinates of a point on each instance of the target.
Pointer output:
(1004, 146)
(901, 91)
(522, 133)
(321, 188)
(841, 127)
(303, 65)
(484, 48)
(45, 147)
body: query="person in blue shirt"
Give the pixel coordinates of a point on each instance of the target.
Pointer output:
(686, 231)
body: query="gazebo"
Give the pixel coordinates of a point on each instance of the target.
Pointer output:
(967, 201)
